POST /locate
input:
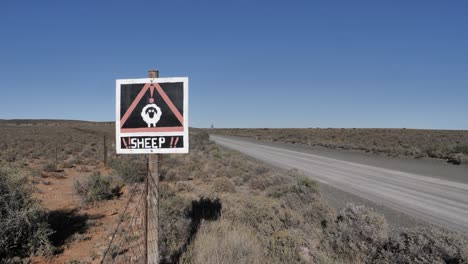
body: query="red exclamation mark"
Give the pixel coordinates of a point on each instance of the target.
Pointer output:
(175, 143)
(151, 100)
(172, 141)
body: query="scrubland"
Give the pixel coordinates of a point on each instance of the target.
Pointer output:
(216, 206)
(450, 145)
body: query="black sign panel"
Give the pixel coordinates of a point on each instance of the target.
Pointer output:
(152, 108)
(174, 92)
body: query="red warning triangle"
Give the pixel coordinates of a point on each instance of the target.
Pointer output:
(166, 99)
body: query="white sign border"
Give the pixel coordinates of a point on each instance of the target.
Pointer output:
(118, 134)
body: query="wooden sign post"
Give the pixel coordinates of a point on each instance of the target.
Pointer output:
(152, 118)
(152, 201)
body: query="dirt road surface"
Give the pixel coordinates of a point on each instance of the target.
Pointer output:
(436, 193)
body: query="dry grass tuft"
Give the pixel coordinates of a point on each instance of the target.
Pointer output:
(97, 187)
(223, 184)
(225, 242)
(130, 169)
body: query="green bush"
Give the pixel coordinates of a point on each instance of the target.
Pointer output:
(97, 188)
(23, 223)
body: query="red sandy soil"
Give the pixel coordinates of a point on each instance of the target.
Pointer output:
(57, 193)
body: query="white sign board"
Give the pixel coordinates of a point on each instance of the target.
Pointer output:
(152, 115)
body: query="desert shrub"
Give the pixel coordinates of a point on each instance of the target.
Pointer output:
(83, 168)
(223, 185)
(199, 139)
(50, 167)
(184, 186)
(88, 153)
(130, 170)
(97, 187)
(266, 215)
(355, 233)
(10, 156)
(272, 222)
(264, 181)
(422, 245)
(261, 169)
(89, 161)
(187, 168)
(74, 261)
(304, 190)
(438, 151)
(458, 158)
(23, 223)
(35, 173)
(461, 148)
(225, 242)
(257, 212)
(238, 181)
(412, 151)
(283, 247)
(68, 164)
(302, 196)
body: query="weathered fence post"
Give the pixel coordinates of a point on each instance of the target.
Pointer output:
(152, 202)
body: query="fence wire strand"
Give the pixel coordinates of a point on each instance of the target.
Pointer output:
(127, 243)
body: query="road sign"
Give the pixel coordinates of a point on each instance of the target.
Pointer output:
(152, 115)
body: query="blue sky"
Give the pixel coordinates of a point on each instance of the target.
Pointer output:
(250, 63)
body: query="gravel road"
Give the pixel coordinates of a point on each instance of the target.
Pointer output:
(432, 192)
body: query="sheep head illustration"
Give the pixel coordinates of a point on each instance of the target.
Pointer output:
(151, 114)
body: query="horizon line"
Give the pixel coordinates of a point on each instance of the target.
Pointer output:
(309, 127)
